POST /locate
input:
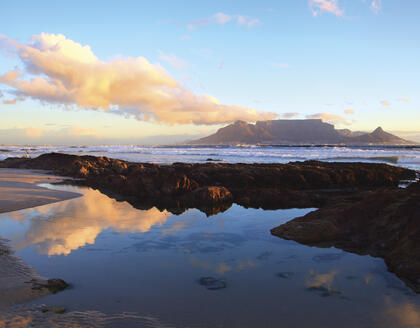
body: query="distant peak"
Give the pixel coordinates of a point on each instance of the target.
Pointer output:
(378, 130)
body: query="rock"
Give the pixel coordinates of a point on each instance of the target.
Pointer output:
(383, 223)
(212, 283)
(207, 186)
(211, 195)
(54, 309)
(52, 285)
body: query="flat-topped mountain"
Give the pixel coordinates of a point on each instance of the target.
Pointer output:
(295, 132)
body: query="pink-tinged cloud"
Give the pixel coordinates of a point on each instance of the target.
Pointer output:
(320, 6)
(376, 6)
(185, 37)
(289, 115)
(281, 65)
(9, 102)
(349, 111)
(329, 118)
(221, 66)
(222, 18)
(172, 60)
(57, 70)
(404, 99)
(385, 103)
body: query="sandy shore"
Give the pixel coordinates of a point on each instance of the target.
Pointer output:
(19, 190)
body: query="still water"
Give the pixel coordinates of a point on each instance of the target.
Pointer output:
(149, 268)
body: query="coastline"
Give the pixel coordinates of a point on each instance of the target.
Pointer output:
(19, 189)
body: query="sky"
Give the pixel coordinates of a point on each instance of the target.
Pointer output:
(144, 72)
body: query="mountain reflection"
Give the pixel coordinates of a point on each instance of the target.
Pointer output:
(60, 228)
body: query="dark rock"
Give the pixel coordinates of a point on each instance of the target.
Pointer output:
(285, 275)
(212, 283)
(52, 285)
(383, 223)
(54, 309)
(215, 186)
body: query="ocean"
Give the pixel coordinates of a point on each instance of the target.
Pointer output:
(405, 156)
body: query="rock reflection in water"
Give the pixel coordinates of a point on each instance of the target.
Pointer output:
(58, 229)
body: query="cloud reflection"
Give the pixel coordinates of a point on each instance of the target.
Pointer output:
(58, 229)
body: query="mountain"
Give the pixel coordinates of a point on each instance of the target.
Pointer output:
(295, 132)
(379, 136)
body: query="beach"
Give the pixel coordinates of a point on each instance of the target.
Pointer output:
(19, 189)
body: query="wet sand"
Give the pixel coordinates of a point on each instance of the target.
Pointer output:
(19, 190)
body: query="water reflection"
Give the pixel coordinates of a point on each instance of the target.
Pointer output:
(58, 229)
(191, 270)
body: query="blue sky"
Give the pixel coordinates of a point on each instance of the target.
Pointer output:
(354, 63)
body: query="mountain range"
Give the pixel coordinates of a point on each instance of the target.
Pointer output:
(296, 132)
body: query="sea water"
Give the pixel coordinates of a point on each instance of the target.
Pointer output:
(406, 156)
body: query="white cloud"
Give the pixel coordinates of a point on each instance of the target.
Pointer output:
(281, 65)
(329, 118)
(172, 60)
(185, 37)
(60, 71)
(222, 18)
(330, 6)
(376, 6)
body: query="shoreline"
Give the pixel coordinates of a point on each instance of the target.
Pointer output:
(19, 189)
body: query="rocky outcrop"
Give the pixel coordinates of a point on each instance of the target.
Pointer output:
(384, 223)
(182, 185)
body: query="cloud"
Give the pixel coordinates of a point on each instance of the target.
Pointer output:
(78, 131)
(349, 111)
(404, 99)
(33, 132)
(376, 6)
(10, 102)
(385, 103)
(316, 280)
(57, 70)
(221, 66)
(35, 135)
(60, 228)
(185, 37)
(330, 118)
(222, 18)
(172, 60)
(289, 115)
(281, 65)
(319, 6)
(1, 94)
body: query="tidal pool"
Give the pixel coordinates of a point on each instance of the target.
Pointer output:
(150, 268)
